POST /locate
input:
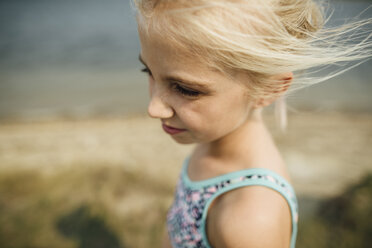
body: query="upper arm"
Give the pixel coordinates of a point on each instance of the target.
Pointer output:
(255, 217)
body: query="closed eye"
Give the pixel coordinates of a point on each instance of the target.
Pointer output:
(186, 92)
(174, 85)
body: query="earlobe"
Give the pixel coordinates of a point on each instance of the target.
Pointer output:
(262, 102)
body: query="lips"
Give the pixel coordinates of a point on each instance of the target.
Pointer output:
(172, 130)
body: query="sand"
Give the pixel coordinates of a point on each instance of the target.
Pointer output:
(125, 170)
(324, 151)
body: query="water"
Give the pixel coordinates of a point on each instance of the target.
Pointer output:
(63, 32)
(79, 58)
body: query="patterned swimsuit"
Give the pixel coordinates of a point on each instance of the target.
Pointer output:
(186, 219)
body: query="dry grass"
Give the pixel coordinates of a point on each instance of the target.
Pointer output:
(132, 206)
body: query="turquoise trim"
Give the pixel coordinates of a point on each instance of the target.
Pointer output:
(292, 203)
(259, 182)
(198, 184)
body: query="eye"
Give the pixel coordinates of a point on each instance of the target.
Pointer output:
(186, 92)
(146, 70)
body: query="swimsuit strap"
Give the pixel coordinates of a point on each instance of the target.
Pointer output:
(248, 177)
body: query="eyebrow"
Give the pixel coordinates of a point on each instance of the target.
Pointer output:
(190, 83)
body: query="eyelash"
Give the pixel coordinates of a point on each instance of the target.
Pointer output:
(177, 87)
(146, 70)
(185, 92)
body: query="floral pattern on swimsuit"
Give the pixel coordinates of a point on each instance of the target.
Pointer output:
(186, 217)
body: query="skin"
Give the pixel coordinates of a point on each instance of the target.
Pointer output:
(219, 115)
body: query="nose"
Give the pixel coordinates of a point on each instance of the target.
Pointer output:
(159, 106)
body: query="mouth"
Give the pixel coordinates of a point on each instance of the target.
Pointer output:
(172, 130)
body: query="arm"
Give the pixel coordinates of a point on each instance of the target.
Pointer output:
(255, 217)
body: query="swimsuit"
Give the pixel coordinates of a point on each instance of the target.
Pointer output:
(186, 219)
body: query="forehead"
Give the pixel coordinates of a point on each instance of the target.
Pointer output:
(162, 43)
(162, 54)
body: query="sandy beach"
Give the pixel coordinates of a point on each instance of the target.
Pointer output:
(324, 151)
(129, 164)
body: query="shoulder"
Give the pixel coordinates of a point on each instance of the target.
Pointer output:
(253, 216)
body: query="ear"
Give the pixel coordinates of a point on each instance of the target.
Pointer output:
(284, 80)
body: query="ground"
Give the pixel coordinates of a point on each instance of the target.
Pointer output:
(119, 173)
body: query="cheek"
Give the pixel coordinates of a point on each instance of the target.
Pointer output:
(209, 120)
(195, 116)
(228, 109)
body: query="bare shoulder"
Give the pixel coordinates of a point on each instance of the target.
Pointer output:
(253, 216)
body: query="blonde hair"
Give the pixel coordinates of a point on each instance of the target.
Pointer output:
(260, 37)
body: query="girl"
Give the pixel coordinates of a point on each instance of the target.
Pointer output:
(213, 65)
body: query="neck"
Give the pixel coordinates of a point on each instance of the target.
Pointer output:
(249, 146)
(240, 141)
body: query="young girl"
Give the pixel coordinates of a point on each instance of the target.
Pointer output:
(213, 65)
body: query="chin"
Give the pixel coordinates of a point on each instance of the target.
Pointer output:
(183, 141)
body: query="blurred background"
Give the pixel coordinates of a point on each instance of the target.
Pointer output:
(82, 166)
